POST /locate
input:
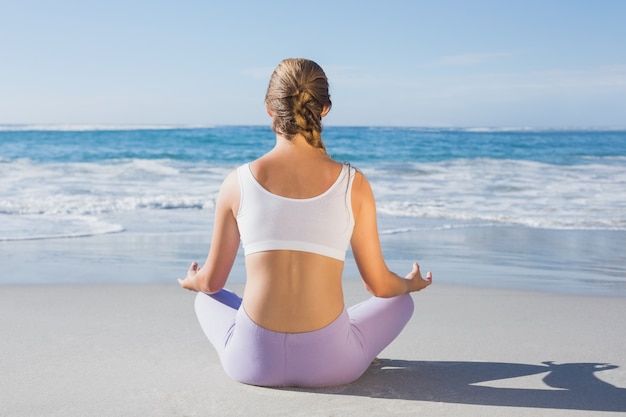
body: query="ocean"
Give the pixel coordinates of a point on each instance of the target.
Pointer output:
(544, 189)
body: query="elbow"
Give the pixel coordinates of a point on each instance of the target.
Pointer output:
(209, 285)
(390, 286)
(384, 294)
(379, 291)
(208, 288)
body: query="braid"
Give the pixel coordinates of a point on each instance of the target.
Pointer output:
(297, 95)
(305, 117)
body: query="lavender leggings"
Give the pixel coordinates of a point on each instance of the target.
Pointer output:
(336, 354)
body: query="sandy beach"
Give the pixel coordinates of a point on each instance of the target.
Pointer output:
(137, 350)
(97, 326)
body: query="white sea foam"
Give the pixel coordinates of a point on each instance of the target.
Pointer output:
(508, 192)
(32, 227)
(397, 230)
(73, 199)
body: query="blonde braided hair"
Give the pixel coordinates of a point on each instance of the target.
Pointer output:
(297, 96)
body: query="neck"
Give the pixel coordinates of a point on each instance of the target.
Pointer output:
(297, 144)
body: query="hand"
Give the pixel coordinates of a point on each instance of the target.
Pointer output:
(189, 283)
(415, 276)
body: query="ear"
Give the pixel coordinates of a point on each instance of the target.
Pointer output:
(269, 112)
(325, 111)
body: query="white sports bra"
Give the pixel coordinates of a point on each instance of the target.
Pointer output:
(322, 224)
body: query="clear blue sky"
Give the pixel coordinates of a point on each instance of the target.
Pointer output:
(392, 62)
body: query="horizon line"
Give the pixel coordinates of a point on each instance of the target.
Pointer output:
(77, 127)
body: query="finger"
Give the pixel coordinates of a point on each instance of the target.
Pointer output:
(415, 270)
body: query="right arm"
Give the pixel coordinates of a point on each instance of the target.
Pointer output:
(378, 279)
(212, 277)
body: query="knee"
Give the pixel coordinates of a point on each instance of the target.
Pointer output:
(223, 297)
(406, 305)
(403, 303)
(201, 298)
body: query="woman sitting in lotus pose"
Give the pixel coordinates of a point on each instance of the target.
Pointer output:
(295, 211)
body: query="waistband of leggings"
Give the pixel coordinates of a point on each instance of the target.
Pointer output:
(340, 324)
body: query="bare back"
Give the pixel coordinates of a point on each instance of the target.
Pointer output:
(293, 291)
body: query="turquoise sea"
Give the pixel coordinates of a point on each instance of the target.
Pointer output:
(547, 194)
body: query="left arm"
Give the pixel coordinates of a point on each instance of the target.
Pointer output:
(212, 277)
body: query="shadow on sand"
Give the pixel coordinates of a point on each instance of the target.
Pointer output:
(572, 386)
